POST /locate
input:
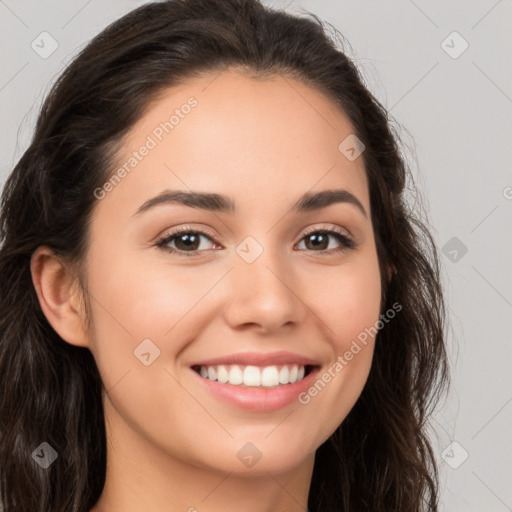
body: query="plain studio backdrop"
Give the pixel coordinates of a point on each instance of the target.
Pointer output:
(443, 70)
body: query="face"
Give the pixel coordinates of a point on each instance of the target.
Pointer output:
(223, 333)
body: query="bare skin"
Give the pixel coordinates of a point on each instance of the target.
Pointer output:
(172, 445)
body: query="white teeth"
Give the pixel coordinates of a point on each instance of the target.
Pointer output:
(222, 374)
(293, 373)
(212, 373)
(235, 375)
(254, 376)
(283, 375)
(269, 376)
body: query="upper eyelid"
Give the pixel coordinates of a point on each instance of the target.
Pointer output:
(187, 229)
(326, 227)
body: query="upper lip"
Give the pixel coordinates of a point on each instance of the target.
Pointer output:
(259, 359)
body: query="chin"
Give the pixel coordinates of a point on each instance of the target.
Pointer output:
(254, 459)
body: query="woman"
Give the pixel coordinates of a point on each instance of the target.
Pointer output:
(214, 295)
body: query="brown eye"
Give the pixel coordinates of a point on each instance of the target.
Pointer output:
(187, 242)
(319, 241)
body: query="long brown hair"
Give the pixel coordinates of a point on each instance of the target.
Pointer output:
(380, 457)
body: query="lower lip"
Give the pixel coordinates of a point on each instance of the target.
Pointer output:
(258, 399)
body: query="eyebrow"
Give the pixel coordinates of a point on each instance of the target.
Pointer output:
(220, 203)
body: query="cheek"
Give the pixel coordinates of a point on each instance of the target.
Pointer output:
(144, 300)
(349, 306)
(138, 299)
(349, 302)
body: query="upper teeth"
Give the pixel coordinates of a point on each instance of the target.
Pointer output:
(254, 375)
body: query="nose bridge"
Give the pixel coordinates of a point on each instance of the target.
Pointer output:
(262, 287)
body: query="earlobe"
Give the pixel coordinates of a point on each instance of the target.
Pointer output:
(57, 293)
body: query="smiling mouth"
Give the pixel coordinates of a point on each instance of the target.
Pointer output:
(254, 376)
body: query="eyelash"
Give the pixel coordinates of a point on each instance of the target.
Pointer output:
(346, 243)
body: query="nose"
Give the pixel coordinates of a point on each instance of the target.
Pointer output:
(264, 295)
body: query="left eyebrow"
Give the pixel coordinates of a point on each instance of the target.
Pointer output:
(220, 203)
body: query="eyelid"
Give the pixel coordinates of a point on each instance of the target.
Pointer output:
(327, 227)
(186, 229)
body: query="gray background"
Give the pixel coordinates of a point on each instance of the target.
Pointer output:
(456, 121)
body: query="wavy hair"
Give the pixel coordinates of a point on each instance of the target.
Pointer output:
(380, 457)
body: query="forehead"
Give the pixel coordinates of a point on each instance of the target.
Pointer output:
(231, 131)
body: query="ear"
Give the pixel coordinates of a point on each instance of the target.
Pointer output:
(58, 295)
